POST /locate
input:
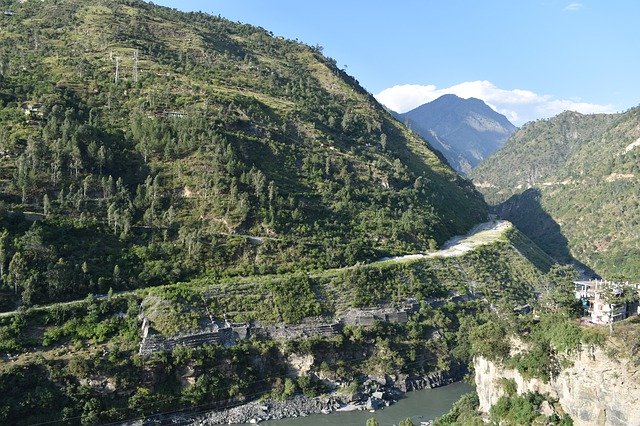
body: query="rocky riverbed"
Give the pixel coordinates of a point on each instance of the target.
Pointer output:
(377, 392)
(258, 411)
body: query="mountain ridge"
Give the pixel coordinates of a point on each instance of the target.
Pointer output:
(571, 184)
(167, 136)
(206, 181)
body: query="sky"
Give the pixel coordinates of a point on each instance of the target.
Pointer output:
(528, 59)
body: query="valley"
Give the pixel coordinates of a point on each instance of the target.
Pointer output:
(570, 184)
(202, 222)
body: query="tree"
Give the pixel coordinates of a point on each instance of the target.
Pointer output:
(559, 290)
(116, 275)
(102, 158)
(488, 340)
(289, 388)
(46, 205)
(86, 186)
(91, 412)
(3, 251)
(76, 159)
(372, 422)
(17, 270)
(383, 141)
(406, 422)
(258, 181)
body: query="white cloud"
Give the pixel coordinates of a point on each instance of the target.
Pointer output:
(574, 7)
(518, 105)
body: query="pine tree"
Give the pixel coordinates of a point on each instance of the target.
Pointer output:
(116, 275)
(17, 271)
(4, 237)
(46, 205)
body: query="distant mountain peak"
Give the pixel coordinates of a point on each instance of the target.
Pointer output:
(448, 96)
(465, 130)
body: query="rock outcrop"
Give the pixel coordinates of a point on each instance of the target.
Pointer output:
(455, 373)
(596, 390)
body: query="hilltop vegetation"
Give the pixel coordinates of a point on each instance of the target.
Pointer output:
(181, 167)
(571, 184)
(209, 134)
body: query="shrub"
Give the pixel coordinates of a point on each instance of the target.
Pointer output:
(516, 410)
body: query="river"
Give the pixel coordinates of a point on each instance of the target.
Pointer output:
(420, 406)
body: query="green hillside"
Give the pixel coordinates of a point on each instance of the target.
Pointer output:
(571, 184)
(140, 146)
(79, 363)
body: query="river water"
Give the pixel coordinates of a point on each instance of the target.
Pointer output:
(420, 406)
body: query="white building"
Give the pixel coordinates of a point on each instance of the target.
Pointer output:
(591, 294)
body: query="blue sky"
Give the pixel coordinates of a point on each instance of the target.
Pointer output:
(528, 59)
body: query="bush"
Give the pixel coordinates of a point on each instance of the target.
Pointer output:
(516, 410)
(464, 410)
(536, 362)
(509, 386)
(488, 340)
(310, 386)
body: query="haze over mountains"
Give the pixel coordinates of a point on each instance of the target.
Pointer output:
(465, 131)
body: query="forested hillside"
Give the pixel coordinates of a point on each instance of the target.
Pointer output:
(79, 363)
(141, 146)
(571, 183)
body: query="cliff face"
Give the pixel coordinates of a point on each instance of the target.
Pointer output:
(596, 390)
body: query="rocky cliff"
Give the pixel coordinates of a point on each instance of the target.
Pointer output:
(595, 390)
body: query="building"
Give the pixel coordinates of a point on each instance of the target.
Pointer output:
(592, 295)
(163, 113)
(33, 110)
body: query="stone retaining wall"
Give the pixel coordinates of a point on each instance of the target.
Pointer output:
(226, 334)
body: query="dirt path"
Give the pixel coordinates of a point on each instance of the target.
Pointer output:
(482, 234)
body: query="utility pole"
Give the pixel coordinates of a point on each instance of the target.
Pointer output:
(117, 69)
(135, 65)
